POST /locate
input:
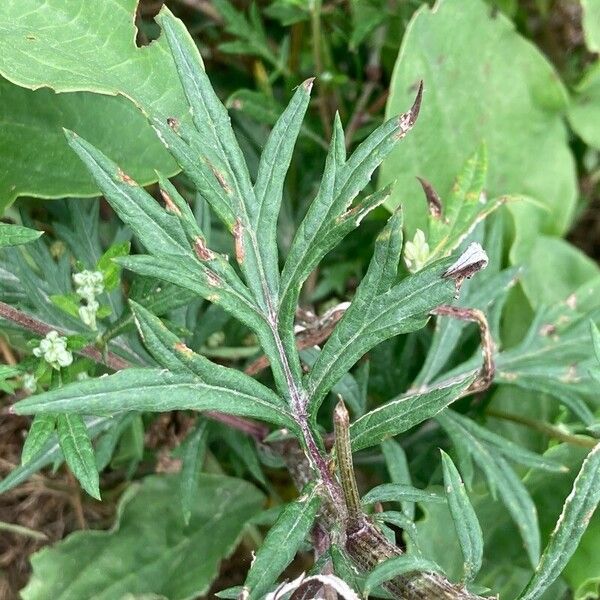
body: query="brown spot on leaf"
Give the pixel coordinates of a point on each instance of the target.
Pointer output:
(173, 123)
(213, 279)
(434, 202)
(238, 232)
(169, 204)
(201, 249)
(125, 178)
(548, 329)
(181, 347)
(220, 177)
(472, 260)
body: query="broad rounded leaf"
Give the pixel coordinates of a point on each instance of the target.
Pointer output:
(63, 45)
(138, 555)
(37, 160)
(483, 83)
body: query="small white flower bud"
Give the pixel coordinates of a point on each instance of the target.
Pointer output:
(416, 253)
(87, 314)
(88, 284)
(53, 348)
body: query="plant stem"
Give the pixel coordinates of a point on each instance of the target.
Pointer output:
(20, 530)
(34, 325)
(545, 428)
(343, 456)
(257, 430)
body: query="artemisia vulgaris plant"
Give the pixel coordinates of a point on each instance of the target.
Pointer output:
(355, 550)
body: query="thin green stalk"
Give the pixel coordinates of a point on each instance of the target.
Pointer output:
(545, 428)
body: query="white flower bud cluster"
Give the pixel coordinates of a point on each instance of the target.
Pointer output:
(88, 285)
(416, 253)
(53, 348)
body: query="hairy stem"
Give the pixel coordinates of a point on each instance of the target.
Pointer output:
(343, 456)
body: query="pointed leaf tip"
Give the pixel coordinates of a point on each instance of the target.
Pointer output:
(434, 202)
(408, 119)
(307, 84)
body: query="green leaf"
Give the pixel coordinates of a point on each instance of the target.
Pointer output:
(406, 411)
(67, 52)
(543, 256)
(110, 269)
(178, 205)
(193, 457)
(63, 46)
(159, 231)
(347, 387)
(251, 31)
(501, 480)
(584, 111)
(50, 454)
(397, 466)
(402, 309)
(42, 427)
(483, 82)
(139, 554)
(107, 443)
(556, 354)
(69, 303)
(224, 160)
(13, 235)
(329, 218)
(464, 517)
(396, 492)
(78, 452)
(171, 353)
(153, 390)
(595, 339)
(570, 527)
(160, 299)
(273, 166)
(451, 221)
(383, 267)
(505, 447)
(401, 520)
(281, 543)
(396, 566)
(591, 24)
(203, 281)
(37, 159)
